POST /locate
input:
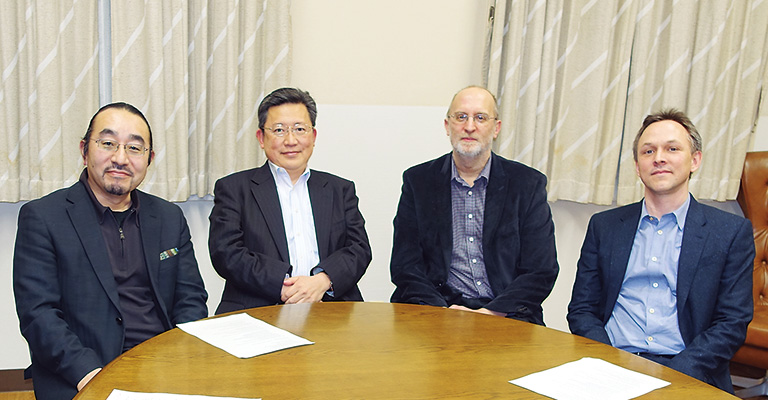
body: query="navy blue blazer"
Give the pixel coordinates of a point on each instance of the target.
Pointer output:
(714, 285)
(66, 295)
(249, 248)
(518, 238)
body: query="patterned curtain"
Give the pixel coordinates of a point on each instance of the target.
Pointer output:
(197, 69)
(48, 92)
(575, 79)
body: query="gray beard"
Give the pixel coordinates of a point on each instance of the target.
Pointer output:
(473, 152)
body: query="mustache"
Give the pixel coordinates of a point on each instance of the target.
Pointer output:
(118, 167)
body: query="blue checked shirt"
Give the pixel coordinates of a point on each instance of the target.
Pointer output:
(467, 274)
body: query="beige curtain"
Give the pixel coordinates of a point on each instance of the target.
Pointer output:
(48, 92)
(708, 59)
(575, 78)
(198, 70)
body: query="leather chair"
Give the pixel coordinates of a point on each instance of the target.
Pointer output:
(753, 355)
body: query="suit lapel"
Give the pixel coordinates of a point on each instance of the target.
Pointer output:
(321, 198)
(264, 193)
(495, 195)
(440, 193)
(621, 248)
(84, 219)
(694, 239)
(151, 231)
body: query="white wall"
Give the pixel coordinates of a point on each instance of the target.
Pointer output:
(13, 348)
(383, 73)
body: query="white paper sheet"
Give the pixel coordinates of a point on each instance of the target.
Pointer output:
(242, 335)
(125, 395)
(589, 379)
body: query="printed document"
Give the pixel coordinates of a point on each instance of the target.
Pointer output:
(242, 335)
(125, 395)
(589, 379)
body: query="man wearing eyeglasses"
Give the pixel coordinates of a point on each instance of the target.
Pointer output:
(282, 233)
(473, 230)
(100, 266)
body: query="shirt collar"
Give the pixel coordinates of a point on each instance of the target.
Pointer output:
(102, 211)
(485, 173)
(281, 175)
(680, 214)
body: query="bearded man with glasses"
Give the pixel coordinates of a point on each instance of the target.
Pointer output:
(101, 266)
(282, 233)
(473, 230)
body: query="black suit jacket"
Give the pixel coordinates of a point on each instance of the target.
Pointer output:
(518, 238)
(714, 285)
(249, 248)
(66, 295)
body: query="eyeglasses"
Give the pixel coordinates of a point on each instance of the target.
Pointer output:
(461, 118)
(281, 130)
(132, 149)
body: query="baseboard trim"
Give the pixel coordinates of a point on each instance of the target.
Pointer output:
(12, 380)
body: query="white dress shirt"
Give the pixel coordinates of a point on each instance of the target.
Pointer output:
(298, 220)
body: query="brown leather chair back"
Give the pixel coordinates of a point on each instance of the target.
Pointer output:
(753, 199)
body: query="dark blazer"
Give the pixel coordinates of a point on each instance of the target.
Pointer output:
(518, 238)
(249, 248)
(66, 295)
(714, 285)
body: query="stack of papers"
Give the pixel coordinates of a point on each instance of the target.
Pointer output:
(589, 379)
(242, 335)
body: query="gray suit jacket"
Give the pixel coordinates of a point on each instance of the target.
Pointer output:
(249, 248)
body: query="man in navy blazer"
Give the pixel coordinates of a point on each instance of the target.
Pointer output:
(473, 231)
(282, 233)
(100, 266)
(667, 278)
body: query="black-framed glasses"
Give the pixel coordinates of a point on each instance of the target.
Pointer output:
(132, 149)
(461, 118)
(281, 130)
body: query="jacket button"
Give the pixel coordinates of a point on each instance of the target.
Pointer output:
(119, 320)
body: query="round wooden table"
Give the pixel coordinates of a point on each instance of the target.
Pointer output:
(374, 351)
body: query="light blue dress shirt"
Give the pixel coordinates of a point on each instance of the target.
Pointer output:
(644, 319)
(298, 220)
